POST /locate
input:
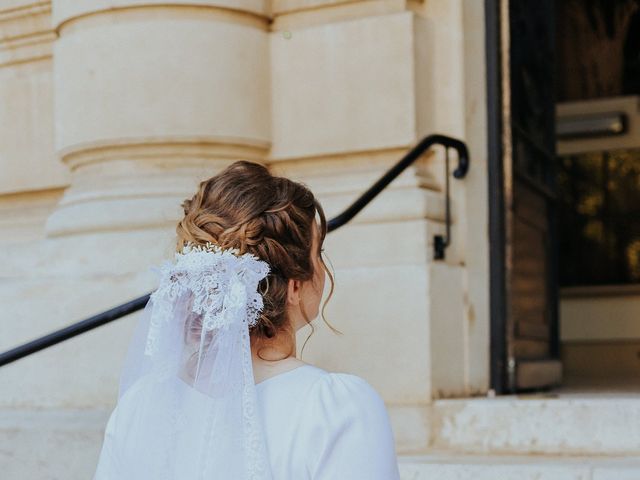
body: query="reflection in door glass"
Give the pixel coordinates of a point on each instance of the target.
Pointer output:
(599, 218)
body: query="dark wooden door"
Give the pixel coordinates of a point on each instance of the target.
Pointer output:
(532, 292)
(524, 239)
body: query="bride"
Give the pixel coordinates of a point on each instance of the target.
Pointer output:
(211, 387)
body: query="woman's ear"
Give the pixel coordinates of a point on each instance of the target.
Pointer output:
(293, 291)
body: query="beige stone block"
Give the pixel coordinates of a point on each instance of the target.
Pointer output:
(411, 426)
(23, 215)
(428, 74)
(327, 98)
(61, 281)
(449, 88)
(382, 315)
(78, 373)
(127, 77)
(89, 255)
(397, 205)
(51, 443)
(518, 424)
(630, 471)
(449, 335)
(27, 161)
(375, 245)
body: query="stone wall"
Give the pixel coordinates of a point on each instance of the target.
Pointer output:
(115, 109)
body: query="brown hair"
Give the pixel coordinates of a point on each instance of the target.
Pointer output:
(247, 208)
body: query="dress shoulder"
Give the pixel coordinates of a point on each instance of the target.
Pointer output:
(350, 429)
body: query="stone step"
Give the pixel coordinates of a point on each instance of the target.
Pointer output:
(570, 424)
(57, 444)
(50, 444)
(448, 466)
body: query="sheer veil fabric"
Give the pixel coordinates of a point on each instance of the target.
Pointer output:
(187, 381)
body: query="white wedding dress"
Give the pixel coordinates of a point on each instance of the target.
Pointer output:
(319, 425)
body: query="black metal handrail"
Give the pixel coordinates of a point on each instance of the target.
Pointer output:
(139, 303)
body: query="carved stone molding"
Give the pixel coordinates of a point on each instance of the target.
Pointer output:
(138, 185)
(247, 12)
(25, 33)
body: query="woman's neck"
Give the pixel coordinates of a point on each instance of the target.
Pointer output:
(269, 358)
(274, 349)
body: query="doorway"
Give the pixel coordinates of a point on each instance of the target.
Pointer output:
(564, 197)
(523, 229)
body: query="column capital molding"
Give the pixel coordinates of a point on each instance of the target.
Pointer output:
(249, 12)
(163, 148)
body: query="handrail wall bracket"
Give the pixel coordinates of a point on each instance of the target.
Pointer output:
(440, 242)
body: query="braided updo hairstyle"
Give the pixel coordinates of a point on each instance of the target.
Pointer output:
(247, 208)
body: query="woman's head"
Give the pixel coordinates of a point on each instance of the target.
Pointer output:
(274, 218)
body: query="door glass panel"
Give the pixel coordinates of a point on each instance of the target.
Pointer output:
(599, 218)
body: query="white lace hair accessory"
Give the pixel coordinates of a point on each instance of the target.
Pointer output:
(187, 404)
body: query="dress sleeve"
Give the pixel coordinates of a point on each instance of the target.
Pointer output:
(350, 433)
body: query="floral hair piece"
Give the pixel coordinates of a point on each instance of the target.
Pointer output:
(223, 285)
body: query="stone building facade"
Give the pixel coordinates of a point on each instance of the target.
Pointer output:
(113, 110)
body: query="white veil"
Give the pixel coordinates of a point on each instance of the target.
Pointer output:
(187, 399)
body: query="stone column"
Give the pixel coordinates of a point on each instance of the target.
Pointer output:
(149, 97)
